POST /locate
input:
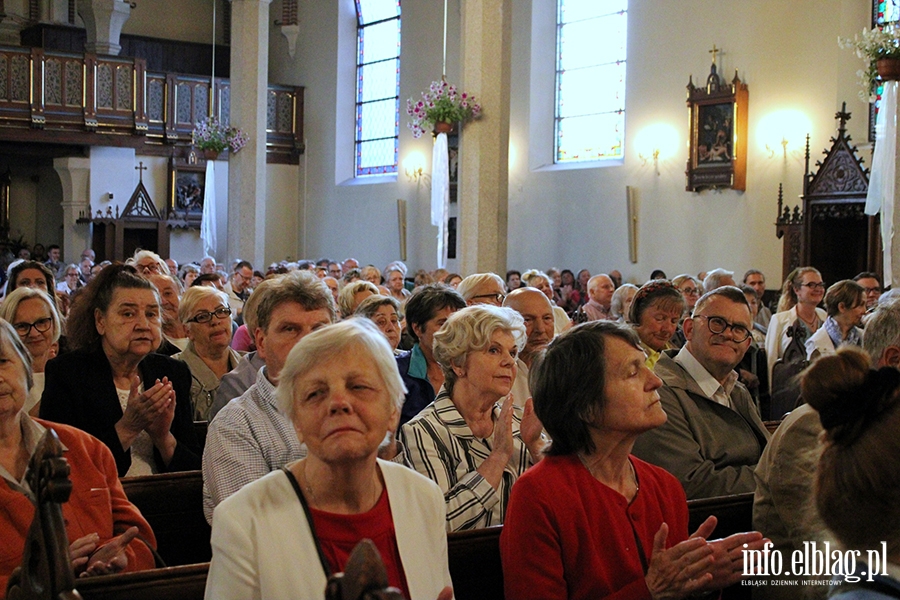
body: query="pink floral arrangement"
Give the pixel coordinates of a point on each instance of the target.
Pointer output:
(441, 103)
(211, 134)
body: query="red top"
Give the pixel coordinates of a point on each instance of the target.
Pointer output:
(568, 536)
(338, 535)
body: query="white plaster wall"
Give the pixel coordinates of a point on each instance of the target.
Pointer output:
(584, 211)
(185, 20)
(785, 51)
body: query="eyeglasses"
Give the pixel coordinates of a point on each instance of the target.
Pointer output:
(869, 290)
(718, 325)
(41, 325)
(814, 285)
(690, 291)
(152, 267)
(206, 317)
(499, 298)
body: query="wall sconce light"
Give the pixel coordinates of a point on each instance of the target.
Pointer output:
(654, 157)
(783, 128)
(656, 142)
(414, 166)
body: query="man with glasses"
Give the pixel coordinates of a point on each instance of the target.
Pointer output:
(713, 437)
(870, 282)
(238, 288)
(482, 288)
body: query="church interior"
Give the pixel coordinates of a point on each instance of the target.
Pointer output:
(544, 214)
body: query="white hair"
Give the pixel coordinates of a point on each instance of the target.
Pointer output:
(328, 342)
(467, 286)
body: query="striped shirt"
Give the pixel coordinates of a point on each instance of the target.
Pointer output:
(440, 445)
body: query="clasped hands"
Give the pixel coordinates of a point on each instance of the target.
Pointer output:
(697, 565)
(151, 410)
(90, 559)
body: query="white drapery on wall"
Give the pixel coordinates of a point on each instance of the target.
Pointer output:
(208, 221)
(440, 194)
(882, 182)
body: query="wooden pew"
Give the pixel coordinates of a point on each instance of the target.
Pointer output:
(172, 583)
(474, 558)
(173, 505)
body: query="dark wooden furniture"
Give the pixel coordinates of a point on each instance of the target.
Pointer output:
(173, 505)
(830, 231)
(474, 558)
(49, 97)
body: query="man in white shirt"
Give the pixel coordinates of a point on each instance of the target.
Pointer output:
(713, 437)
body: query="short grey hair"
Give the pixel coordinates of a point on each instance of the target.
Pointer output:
(345, 297)
(368, 307)
(193, 297)
(617, 304)
(882, 330)
(467, 286)
(302, 287)
(141, 254)
(677, 281)
(17, 296)
(328, 342)
(714, 278)
(470, 330)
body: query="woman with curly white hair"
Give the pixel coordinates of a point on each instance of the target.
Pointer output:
(472, 440)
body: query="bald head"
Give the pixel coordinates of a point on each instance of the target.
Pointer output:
(537, 311)
(600, 289)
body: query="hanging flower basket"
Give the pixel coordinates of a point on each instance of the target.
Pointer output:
(210, 154)
(443, 127)
(443, 104)
(210, 135)
(874, 46)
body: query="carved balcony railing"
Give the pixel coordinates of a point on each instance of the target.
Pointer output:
(86, 99)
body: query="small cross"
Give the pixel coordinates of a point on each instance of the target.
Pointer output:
(140, 169)
(714, 51)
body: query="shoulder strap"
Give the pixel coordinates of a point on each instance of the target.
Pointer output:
(309, 519)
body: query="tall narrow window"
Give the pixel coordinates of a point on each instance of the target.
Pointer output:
(590, 79)
(377, 86)
(884, 13)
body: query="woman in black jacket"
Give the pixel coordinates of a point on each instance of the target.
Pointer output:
(114, 387)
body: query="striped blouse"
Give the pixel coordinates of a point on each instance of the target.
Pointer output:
(440, 445)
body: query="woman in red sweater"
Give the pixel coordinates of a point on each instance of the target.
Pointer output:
(590, 520)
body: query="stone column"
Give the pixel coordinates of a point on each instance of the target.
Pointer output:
(75, 176)
(247, 169)
(484, 144)
(103, 20)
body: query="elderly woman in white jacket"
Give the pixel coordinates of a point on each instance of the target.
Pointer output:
(845, 303)
(282, 535)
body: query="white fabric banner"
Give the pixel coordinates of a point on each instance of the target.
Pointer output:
(882, 184)
(440, 194)
(208, 221)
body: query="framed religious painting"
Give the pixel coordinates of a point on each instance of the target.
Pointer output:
(187, 188)
(718, 134)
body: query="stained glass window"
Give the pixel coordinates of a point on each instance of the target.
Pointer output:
(377, 86)
(590, 79)
(884, 12)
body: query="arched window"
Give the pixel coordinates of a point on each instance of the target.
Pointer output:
(377, 86)
(590, 79)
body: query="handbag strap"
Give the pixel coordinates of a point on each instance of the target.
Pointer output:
(309, 520)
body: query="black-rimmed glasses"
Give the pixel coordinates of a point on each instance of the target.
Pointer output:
(41, 325)
(813, 285)
(718, 325)
(498, 297)
(206, 317)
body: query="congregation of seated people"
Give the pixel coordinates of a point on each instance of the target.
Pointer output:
(341, 401)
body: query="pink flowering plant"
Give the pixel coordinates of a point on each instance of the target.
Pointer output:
(441, 103)
(211, 134)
